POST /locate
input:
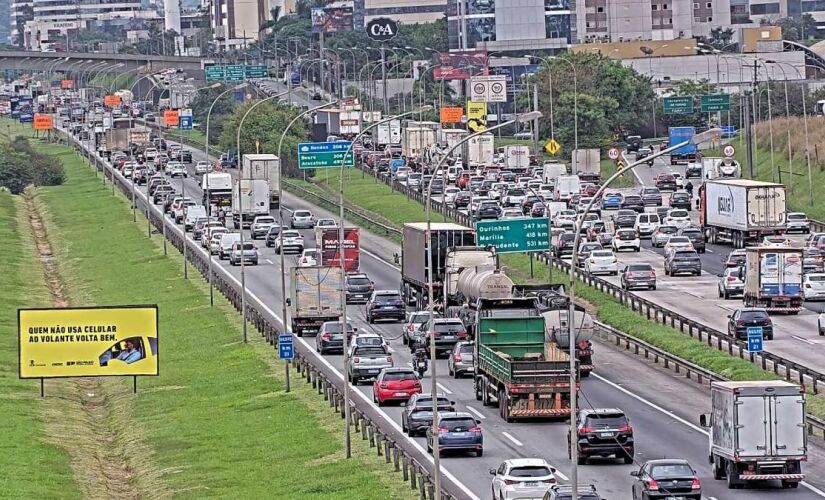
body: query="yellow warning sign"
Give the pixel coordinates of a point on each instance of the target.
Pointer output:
(552, 146)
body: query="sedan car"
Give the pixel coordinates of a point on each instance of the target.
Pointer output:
(522, 478)
(292, 241)
(611, 201)
(249, 254)
(813, 286)
(202, 167)
(638, 276)
(417, 414)
(624, 218)
(260, 226)
(564, 218)
(678, 243)
(696, 237)
(456, 431)
(730, 283)
(633, 202)
(651, 196)
(664, 479)
(681, 199)
(626, 239)
(326, 222)
(461, 359)
(751, 317)
(666, 181)
(302, 219)
(395, 384)
(602, 262)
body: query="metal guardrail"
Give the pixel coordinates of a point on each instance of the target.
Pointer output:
(388, 442)
(817, 225)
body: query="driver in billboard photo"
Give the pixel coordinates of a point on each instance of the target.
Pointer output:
(128, 351)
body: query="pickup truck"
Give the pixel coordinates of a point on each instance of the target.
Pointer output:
(367, 361)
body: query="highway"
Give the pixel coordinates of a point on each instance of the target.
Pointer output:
(663, 409)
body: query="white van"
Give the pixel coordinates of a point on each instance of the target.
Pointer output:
(452, 174)
(192, 214)
(646, 223)
(552, 170)
(566, 186)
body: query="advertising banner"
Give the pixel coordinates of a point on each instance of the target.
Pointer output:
(330, 248)
(332, 19)
(460, 65)
(476, 116)
(66, 84)
(88, 341)
(451, 114)
(171, 118)
(43, 122)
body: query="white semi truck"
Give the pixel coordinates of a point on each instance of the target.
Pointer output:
(741, 210)
(250, 198)
(267, 168)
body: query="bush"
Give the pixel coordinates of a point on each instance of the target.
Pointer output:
(21, 165)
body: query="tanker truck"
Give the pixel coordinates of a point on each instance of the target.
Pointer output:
(460, 258)
(479, 282)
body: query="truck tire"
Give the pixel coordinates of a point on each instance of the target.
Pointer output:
(504, 406)
(733, 477)
(718, 470)
(477, 388)
(485, 394)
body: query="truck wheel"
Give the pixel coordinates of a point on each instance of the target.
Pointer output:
(477, 389)
(504, 406)
(733, 477)
(485, 395)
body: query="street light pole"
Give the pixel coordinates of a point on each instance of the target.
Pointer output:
(534, 115)
(696, 139)
(240, 208)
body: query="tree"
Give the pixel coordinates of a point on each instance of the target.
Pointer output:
(15, 172)
(721, 39)
(797, 28)
(221, 110)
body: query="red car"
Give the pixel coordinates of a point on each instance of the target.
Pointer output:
(590, 189)
(463, 180)
(395, 384)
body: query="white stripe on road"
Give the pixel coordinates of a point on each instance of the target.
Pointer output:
(559, 474)
(802, 339)
(476, 412)
(446, 391)
(511, 438)
(269, 261)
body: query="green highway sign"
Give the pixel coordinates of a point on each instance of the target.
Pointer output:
(678, 105)
(215, 73)
(713, 103)
(256, 71)
(324, 155)
(234, 72)
(514, 235)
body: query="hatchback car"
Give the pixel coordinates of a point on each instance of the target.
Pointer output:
(395, 384)
(611, 201)
(638, 276)
(736, 258)
(813, 286)
(626, 239)
(585, 249)
(677, 217)
(302, 219)
(202, 167)
(417, 414)
(730, 283)
(460, 360)
(624, 218)
(678, 243)
(564, 218)
(456, 431)
(310, 257)
(445, 332)
(666, 181)
(330, 337)
(798, 222)
(664, 479)
(522, 478)
(289, 242)
(359, 288)
(602, 262)
(249, 254)
(326, 222)
(385, 304)
(742, 319)
(651, 196)
(681, 199)
(260, 226)
(412, 328)
(603, 432)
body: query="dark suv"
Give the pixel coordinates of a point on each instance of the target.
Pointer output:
(696, 237)
(385, 304)
(446, 333)
(625, 218)
(680, 199)
(683, 261)
(742, 319)
(666, 182)
(603, 432)
(359, 288)
(633, 202)
(417, 414)
(564, 245)
(462, 199)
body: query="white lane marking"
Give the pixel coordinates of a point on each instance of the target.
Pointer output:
(476, 412)
(802, 339)
(446, 391)
(511, 438)
(559, 474)
(269, 261)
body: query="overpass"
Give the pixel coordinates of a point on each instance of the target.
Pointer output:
(103, 62)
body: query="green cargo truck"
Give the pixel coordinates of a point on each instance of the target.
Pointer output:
(515, 366)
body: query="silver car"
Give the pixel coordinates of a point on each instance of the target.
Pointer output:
(730, 283)
(367, 361)
(260, 226)
(302, 219)
(461, 359)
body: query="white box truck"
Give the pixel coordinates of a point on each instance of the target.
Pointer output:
(388, 133)
(449, 137)
(416, 140)
(773, 279)
(565, 187)
(551, 170)
(315, 298)
(264, 167)
(757, 432)
(516, 157)
(587, 164)
(217, 189)
(250, 198)
(741, 210)
(480, 150)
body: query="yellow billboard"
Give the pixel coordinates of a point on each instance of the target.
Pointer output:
(477, 116)
(88, 341)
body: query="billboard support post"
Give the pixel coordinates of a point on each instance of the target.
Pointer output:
(41, 387)
(384, 81)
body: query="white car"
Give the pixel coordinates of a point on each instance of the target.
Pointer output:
(292, 242)
(678, 243)
(202, 167)
(511, 213)
(730, 284)
(813, 286)
(496, 190)
(565, 218)
(302, 219)
(477, 200)
(208, 229)
(309, 257)
(677, 217)
(522, 478)
(796, 221)
(212, 236)
(626, 239)
(820, 323)
(545, 191)
(449, 195)
(680, 181)
(326, 222)
(602, 261)
(177, 170)
(260, 226)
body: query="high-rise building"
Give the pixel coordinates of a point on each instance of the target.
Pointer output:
(53, 21)
(21, 13)
(236, 23)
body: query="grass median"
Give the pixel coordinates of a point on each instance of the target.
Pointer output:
(32, 467)
(375, 197)
(217, 420)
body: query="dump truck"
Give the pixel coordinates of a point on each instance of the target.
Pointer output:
(741, 210)
(414, 272)
(757, 432)
(264, 167)
(514, 364)
(315, 298)
(773, 279)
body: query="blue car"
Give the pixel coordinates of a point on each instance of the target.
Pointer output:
(457, 431)
(611, 201)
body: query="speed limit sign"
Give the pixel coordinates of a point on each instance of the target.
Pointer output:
(728, 151)
(613, 153)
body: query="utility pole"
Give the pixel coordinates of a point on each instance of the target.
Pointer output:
(384, 81)
(748, 134)
(321, 55)
(536, 121)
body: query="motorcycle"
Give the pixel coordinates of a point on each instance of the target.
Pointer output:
(419, 361)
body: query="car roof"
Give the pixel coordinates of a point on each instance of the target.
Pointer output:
(667, 461)
(453, 414)
(386, 292)
(600, 411)
(526, 462)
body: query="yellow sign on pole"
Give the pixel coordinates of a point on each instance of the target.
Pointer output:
(552, 147)
(477, 116)
(88, 341)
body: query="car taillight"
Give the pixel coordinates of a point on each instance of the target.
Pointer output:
(462, 334)
(475, 428)
(696, 484)
(389, 359)
(356, 360)
(586, 430)
(510, 482)
(653, 273)
(731, 278)
(652, 485)
(629, 275)
(442, 430)
(625, 428)
(326, 336)
(768, 321)
(740, 322)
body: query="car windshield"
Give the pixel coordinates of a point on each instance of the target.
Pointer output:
(752, 315)
(452, 326)
(678, 213)
(626, 235)
(428, 401)
(685, 255)
(303, 213)
(693, 233)
(358, 280)
(369, 350)
(605, 254)
(639, 267)
(678, 239)
(530, 471)
(632, 199)
(399, 376)
(421, 317)
(336, 327)
(292, 234)
(457, 424)
(466, 349)
(387, 298)
(606, 420)
(265, 220)
(671, 471)
(816, 277)
(679, 196)
(797, 217)
(650, 191)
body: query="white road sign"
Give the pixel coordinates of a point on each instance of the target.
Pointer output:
(492, 88)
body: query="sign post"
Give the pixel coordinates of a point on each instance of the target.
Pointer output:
(324, 155)
(286, 351)
(755, 339)
(514, 235)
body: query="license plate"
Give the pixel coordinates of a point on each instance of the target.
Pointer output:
(400, 393)
(448, 337)
(530, 484)
(605, 434)
(372, 371)
(459, 434)
(358, 296)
